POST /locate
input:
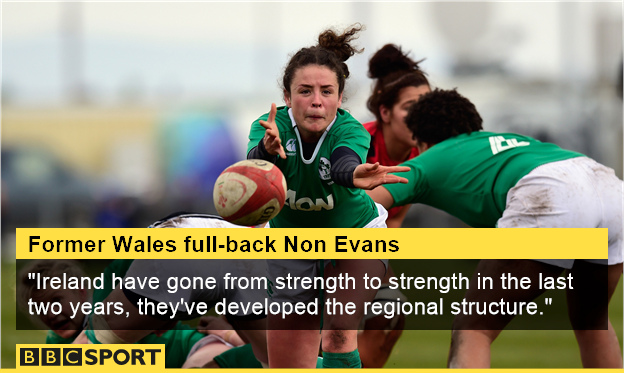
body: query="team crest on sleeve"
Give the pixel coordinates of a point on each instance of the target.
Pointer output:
(291, 147)
(324, 168)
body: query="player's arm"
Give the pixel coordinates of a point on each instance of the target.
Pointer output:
(381, 196)
(348, 157)
(397, 220)
(253, 332)
(369, 176)
(219, 327)
(347, 170)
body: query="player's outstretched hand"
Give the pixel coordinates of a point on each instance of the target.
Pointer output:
(369, 176)
(272, 141)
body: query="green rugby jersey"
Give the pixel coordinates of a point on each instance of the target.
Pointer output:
(313, 200)
(469, 175)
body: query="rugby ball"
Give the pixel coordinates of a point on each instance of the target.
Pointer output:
(250, 192)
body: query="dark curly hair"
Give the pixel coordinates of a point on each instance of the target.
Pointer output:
(332, 51)
(442, 114)
(393, 71)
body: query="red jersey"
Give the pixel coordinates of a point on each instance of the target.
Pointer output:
(378, 153)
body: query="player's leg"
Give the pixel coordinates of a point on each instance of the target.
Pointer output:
(289, 346)
(588, 305)
(293, 341)
(378, 335)
(375, 343)
(573, 193)
(473, 334)
(340, 330)
(588, 310)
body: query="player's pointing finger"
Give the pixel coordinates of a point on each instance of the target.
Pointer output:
(272, 113)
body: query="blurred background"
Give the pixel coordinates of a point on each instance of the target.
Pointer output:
(117, 114)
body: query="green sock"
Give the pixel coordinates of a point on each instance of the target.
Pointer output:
(342, 360)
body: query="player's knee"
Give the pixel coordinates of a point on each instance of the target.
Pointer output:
(589, 321)
(336, 340)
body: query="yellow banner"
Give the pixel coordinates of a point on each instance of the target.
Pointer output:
(311, 243)
(100, 357)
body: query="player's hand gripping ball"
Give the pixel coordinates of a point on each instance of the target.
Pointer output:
(250, 192)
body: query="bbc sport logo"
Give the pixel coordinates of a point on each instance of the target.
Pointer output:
(149, 357)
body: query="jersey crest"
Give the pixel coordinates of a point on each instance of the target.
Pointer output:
(324, 168)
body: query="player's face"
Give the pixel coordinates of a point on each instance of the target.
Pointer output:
(62, 324)
(396, 118)
(314, 99)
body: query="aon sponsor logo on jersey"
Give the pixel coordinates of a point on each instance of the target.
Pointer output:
(307, 204)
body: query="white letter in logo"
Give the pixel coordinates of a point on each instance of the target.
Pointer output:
(496, 143)
(291, 147)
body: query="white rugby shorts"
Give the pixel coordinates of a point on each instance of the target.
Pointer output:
(573, 193)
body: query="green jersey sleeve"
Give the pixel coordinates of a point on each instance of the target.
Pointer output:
(415, 188)
(256, 133)
(354, 136)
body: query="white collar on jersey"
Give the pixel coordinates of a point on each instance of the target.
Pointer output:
(318, 144)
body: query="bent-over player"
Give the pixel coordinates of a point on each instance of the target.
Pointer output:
(184, 346)
(249, 325)
(507, 180)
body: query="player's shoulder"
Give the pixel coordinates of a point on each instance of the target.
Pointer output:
(371, 127)
(193, 220)
(346, 123)
(343, 117)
